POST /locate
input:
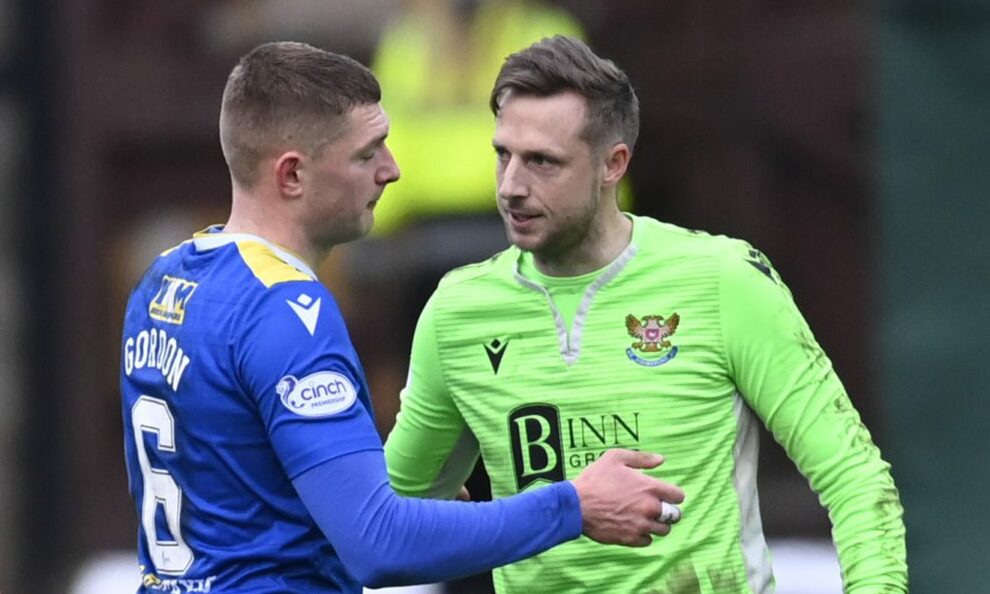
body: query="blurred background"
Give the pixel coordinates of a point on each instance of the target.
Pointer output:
(850, 141)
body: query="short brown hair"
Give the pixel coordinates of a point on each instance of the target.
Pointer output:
(557, 64)
(287, 94)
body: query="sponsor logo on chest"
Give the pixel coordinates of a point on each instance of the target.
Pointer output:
(543, 442)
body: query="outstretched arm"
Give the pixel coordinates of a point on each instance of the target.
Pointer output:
(385, 539)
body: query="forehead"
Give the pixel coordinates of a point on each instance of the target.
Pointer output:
(530, 121)
(362, 124)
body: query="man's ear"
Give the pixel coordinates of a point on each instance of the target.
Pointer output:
(615, 163)
(288, 174)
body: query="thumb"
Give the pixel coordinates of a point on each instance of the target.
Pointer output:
(635, 459)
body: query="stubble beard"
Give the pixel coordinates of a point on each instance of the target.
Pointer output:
(567, 239)
(340, 233)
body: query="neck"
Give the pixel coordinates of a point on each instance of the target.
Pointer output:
(249, 215)
(599, 245)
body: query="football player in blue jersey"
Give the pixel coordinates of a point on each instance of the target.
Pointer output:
(250, 441)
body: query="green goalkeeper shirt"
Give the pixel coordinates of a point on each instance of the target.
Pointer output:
(681, 346)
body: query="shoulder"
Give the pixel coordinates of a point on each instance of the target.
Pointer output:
(175, 248)
(255, 272)
(480, 275)
(734, 265)
(268, 267)
(269, 288)
(294, 310)
(278, 279)
(665, 240)
(477, 287)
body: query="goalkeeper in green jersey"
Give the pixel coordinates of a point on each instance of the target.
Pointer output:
(598, 329)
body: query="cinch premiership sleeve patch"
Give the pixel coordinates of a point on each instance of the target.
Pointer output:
(319, 394)
(304, 378)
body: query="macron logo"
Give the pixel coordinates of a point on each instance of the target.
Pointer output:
(307, 310)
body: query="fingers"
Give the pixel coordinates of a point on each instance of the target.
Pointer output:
(669, 514)
(653, 523)
(634, 459)
(622, 505)
(665, 491)
(656, 528)
(463, 494)
(660, 529)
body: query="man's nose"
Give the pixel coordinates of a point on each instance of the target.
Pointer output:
(512, 180)
(389, 172)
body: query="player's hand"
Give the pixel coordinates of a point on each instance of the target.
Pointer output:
(620, 504)
(463, 494)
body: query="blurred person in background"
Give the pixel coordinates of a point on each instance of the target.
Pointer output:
(436, 61)
(250, 442)
(599, 329)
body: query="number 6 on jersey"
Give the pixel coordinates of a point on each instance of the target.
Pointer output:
(171, 557)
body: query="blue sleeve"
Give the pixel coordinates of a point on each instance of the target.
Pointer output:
(387, 540)
(296, 362)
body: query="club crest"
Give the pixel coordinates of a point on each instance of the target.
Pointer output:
(651, 334)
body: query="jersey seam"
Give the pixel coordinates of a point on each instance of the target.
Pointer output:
(726, 359)
(448, 395)
(440, 362)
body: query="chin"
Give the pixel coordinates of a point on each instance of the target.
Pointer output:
(525, 243)
(360, 233)
(343, 236)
